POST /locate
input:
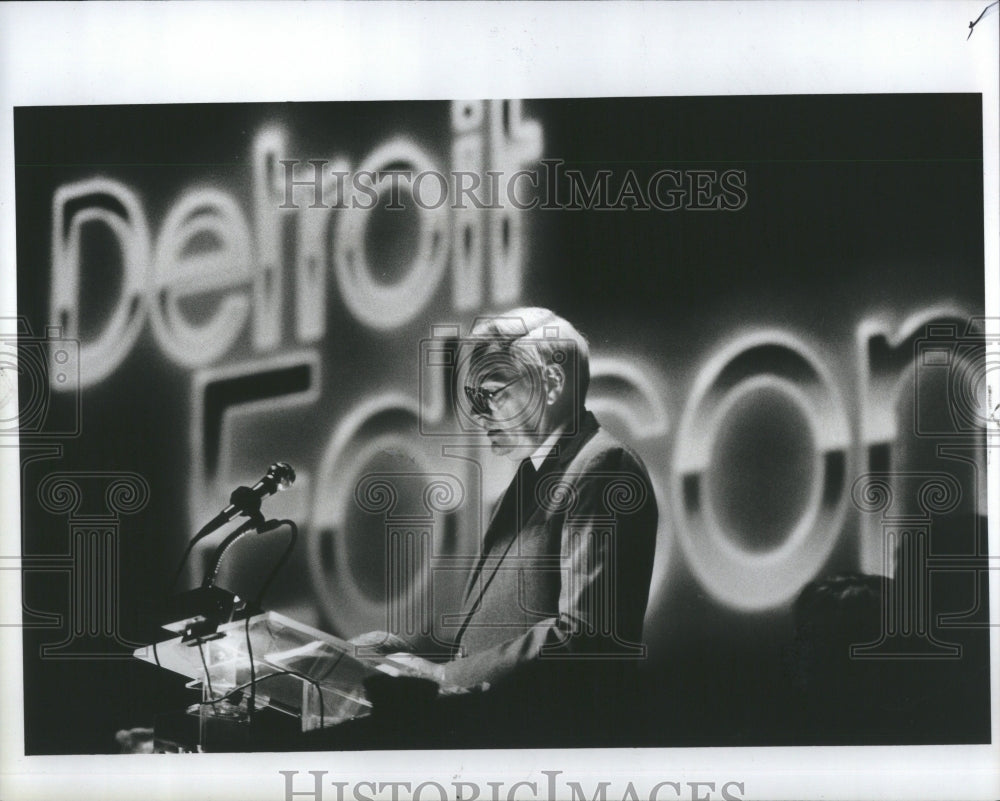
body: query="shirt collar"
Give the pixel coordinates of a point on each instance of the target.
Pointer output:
(546, 447)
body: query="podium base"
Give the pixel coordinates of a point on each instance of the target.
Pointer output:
(189, 732)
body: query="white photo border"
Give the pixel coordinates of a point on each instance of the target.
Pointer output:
(205, 52)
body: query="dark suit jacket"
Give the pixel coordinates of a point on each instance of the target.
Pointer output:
(566, 563)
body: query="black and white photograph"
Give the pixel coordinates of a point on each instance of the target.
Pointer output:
(615, 434)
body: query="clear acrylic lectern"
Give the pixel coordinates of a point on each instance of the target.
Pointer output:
(298, 670)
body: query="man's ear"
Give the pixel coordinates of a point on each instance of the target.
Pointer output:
(555, 383)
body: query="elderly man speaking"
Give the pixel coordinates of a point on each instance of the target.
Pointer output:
(562, 580)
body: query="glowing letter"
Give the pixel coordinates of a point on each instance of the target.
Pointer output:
(179, 274)
(310, 257)
(373, 302)
(267, 285)
(776, 363)
(887, 363)
(513, 145)
(468, 224)
(100, 356)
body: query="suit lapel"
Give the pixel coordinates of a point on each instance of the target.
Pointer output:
(505, 520)
(516, 507)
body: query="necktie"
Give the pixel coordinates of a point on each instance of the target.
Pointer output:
(510, 515)
(515, 504)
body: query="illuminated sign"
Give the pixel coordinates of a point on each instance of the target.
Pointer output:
(243, 261)
(232, 264)
(754, 368)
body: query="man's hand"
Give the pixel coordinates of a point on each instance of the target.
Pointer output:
(397, 650)
(420, 666)
(379, 643)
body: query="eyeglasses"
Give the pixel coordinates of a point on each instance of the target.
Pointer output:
(481, 399)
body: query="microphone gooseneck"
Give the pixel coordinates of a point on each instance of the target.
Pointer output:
(243, 501)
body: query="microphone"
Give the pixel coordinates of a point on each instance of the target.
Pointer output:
(246, 501)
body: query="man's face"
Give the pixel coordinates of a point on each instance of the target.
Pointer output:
(509, 405)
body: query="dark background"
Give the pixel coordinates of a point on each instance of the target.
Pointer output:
(857, 206)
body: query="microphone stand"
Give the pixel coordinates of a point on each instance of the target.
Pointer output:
(245, 500)
(197, 613)
(248, 504)
(255, 522)
(208, 606)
